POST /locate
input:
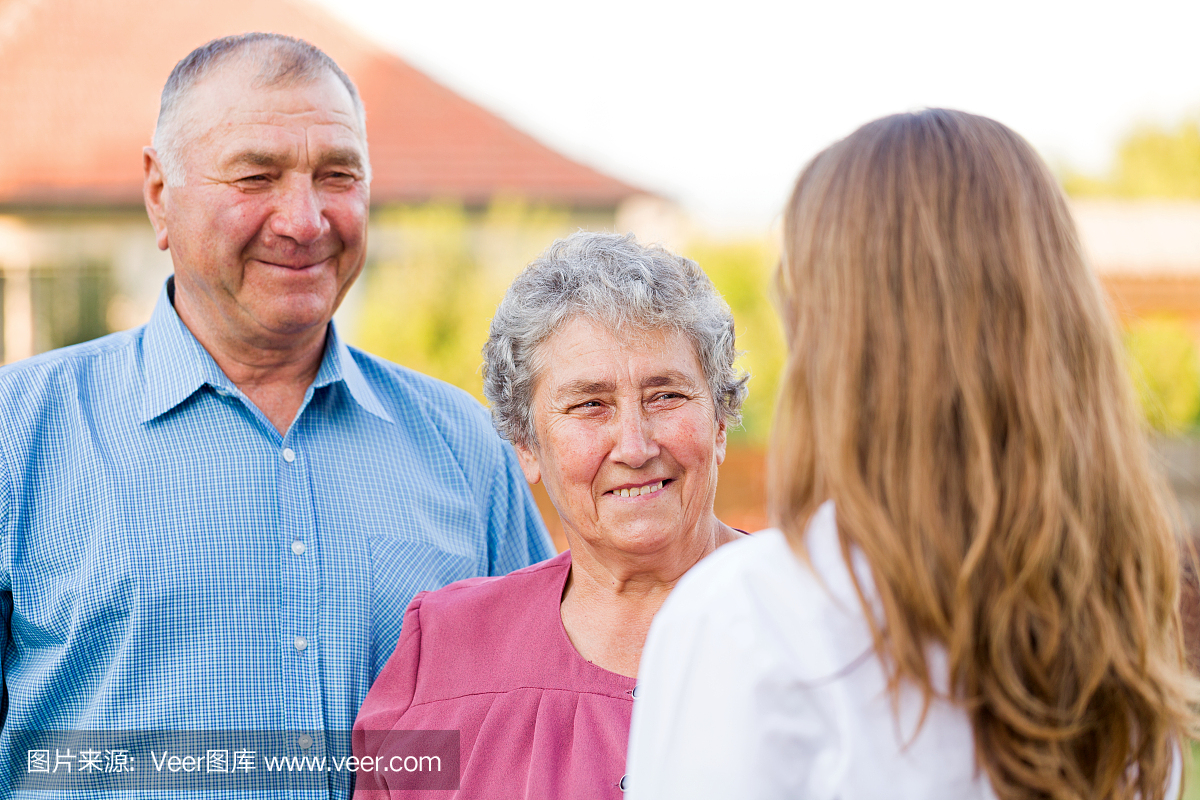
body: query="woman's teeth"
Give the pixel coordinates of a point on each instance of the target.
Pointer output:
(638, 491)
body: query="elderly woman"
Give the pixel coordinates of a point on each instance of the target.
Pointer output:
(610, 369)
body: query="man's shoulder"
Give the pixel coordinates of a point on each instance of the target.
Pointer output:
(109, 358)
(406, 393)
(46, 395)
(379, 369)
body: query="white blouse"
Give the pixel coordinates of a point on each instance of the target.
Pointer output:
(758, 682)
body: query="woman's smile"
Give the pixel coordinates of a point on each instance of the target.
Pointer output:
(643, 490)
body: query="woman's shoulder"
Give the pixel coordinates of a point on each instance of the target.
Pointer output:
(494, 594)
(758, 589)
(734, 570)
(475, 636)
(478, 613)
(763, 564)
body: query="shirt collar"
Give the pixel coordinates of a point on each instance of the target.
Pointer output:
(339, 365)
(177, 365)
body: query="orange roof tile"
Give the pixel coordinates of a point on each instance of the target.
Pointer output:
(79, 87)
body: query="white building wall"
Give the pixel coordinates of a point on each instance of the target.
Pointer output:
(1151, 239)
(123, 241)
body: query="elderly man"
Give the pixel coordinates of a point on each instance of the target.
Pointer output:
(216, 521)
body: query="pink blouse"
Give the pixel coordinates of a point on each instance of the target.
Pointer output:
(489, 657)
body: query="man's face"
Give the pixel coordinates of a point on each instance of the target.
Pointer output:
(270, 227)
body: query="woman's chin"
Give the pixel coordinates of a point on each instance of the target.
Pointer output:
(645, 539)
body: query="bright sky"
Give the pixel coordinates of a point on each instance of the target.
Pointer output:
(718, 105)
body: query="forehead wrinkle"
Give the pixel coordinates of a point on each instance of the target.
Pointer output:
(348, 120)
(245, 112)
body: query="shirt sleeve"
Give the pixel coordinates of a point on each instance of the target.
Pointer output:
(6, 601)
(390, 696)
(517, 535)
(718, 714)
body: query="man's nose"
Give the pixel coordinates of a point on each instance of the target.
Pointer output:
(636, 443)
(299, 213)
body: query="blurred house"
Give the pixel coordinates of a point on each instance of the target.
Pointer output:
(1147, 254)
(79, 87)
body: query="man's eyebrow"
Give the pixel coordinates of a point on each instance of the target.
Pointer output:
(343, 156)
(257, 158)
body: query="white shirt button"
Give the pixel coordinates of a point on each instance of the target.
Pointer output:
(304, 740)
(288, 455)
(300, 642)
(222, 392)
(298, 547)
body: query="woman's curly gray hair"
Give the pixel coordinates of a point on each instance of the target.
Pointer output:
(622, 285)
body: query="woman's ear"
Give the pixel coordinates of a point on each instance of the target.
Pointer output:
(529, 463)
(719, 449)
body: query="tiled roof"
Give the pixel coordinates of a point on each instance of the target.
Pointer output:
(79, 87)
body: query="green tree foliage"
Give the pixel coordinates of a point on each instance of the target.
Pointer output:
(1191, 771)
(429, 308)
(1165, 368)
(1151, 162)
(1162, 163)
(429, 305)
(742, 272)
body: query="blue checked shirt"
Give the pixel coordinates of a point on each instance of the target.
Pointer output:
(168, 561)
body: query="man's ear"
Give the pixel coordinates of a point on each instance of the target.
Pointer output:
(156, 194)
(529, 463)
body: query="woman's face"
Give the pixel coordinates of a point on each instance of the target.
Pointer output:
(627, 439)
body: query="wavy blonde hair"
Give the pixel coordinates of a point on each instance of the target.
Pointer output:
(954, 385)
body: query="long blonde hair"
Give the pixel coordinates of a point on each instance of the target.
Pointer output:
(954, 385)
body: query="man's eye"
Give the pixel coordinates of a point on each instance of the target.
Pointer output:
(589, 404)
(255, 179)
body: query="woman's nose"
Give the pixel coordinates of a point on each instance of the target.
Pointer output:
(635, 444)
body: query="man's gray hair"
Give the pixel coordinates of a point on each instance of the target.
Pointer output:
(276, 59)
(615, 282)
